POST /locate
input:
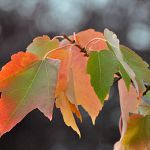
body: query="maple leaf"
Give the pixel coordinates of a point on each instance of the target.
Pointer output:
(102, 76)
(31, 85)
(102, 66)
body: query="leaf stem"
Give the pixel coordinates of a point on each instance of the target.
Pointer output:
(94, 40)
(57, 49)
(57, 37)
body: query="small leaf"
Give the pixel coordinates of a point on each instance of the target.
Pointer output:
(101, 67)
(66, 110)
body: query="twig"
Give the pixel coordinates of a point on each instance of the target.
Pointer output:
(77, 45)
(67, 38)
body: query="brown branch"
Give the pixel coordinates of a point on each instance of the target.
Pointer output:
(82, 49)
(67, 38)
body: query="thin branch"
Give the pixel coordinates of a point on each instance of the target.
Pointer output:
(77, 45)
(67, 38)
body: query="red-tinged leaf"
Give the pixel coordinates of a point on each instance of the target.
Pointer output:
(31, 86)
(18, 63)
(84, 37)
(84, 92)
(129, 104)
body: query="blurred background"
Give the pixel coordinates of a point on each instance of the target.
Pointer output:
(22, 20)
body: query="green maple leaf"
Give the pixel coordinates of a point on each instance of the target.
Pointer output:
(101, 67)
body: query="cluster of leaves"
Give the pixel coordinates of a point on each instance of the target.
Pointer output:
(78, 70)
